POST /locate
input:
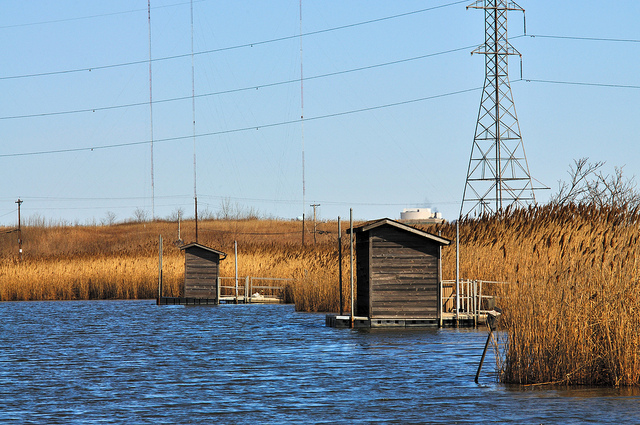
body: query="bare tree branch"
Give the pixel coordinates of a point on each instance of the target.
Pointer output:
(589, 185)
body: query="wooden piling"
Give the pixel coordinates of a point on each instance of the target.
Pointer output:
(160, 268)
(351, 261)
(340, 263)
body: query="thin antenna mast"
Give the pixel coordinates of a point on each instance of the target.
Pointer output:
(498, 173)
(193, 110)
(153, 198)
(302, 125)
(19, 202)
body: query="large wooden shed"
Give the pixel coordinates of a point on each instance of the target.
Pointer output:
(399, 274)
(201, 271)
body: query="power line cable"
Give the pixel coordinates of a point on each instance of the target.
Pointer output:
(8, 213)
(210, 197)
(222, 49)
(568, 37)
(237, 130)
(580, 83)
(236, 90)
(81, 18)
(72, 199)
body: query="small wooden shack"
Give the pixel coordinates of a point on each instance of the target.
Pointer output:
(399, 274)
(201, 271)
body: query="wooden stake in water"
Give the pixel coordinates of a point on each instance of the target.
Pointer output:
(235, 254)
(491, 318)
(440, 308)
(340, 263)
(160, 269)
(457, 271)
(351, 260)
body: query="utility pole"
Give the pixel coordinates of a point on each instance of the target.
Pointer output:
(498, 173)
(314, 222)
(19, 202)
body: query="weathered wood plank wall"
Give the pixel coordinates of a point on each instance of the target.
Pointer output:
(403, 275)
(201, 274)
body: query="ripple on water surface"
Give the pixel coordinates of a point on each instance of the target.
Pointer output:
(134, 362)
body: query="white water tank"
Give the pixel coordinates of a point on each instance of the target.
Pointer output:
(416, 214)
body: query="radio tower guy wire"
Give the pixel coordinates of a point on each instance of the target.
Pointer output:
(498, 173)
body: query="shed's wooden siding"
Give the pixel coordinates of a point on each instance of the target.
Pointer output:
(403, 275)
(201, 273)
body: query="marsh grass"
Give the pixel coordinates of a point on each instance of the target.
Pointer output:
(571, 310)
(121, 261)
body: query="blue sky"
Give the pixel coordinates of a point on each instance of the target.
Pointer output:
(70, 69)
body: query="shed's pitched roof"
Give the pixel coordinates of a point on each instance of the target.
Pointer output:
(388, 222)
(206, 248)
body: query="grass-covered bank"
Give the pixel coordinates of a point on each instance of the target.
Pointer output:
(571, 308)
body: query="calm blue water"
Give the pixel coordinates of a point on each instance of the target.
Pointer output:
(132, 362)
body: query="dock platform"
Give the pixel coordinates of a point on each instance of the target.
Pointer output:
(185, 301)
(214, 301)
(449, 320)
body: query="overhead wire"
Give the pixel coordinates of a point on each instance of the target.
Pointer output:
(100, 15)
(330, 74)
(295, 121)
(569, 37)
(236, 90)
(292, 81)
(227, 48)
(241, 129)
(582, 83)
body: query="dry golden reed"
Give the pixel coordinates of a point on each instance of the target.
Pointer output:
(121, 261)
(571, 305)
(572, 308)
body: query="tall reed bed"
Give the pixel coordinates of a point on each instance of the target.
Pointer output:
(572, 308)
(121, 261)
(87, 278)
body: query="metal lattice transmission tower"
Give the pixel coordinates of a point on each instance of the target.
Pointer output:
(498, 173)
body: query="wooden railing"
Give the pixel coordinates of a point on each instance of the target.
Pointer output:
(252, 289)
(472, 299)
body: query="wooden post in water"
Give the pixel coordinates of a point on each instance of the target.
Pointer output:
(235, 254)
(351, 262)
(247, 292)
(160, 269)
(340, 263)
(439, 297)
(479, 301)
(218, 290)
(475, 303)
(457, 271)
